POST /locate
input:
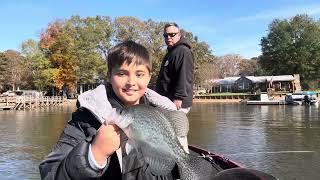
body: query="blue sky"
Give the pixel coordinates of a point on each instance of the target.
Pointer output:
(229, 26)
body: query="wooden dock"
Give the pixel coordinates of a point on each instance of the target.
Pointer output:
(266, 102)
(29, 102)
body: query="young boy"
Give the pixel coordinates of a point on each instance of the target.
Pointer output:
(89, 149)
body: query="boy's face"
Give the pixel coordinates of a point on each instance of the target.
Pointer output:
(129, 82)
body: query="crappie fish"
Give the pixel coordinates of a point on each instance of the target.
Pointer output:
(150, 130)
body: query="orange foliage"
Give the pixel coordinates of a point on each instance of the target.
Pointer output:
(48, 36)
(65, 76)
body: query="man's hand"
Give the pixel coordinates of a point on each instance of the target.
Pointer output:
(106, 142)
(178, 103)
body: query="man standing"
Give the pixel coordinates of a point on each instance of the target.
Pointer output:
(175, 79)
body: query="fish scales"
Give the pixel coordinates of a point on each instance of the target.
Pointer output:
(153, 132)
(152, 127)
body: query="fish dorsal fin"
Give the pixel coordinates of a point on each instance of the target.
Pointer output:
(178, 120)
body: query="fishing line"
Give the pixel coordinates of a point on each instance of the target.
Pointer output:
(271, 152)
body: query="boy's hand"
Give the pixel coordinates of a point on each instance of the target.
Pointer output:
(106, 142)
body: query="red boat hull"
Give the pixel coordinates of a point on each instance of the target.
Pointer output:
(220, 160)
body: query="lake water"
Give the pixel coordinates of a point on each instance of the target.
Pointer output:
(281, 140)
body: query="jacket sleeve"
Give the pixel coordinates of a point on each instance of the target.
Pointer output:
(69, 157)
(184, 73)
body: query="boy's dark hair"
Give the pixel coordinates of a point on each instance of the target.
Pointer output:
(126, 52)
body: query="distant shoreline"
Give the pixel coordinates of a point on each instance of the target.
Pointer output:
(72, 102)
(217, 100)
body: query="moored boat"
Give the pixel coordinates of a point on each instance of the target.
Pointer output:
(294, 98)
(310, 98)
(302, 98)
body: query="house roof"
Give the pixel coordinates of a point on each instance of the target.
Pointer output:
(280, 78)
(254, 79)
(226, 80)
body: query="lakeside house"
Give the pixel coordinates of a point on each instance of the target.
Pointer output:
(257, 84)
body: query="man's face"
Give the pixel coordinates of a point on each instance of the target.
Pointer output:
(171, 35)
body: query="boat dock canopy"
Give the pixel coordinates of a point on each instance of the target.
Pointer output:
(309, 93)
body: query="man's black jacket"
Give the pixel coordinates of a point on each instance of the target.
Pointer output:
(175, 79)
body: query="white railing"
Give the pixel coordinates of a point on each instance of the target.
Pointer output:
(29, 102)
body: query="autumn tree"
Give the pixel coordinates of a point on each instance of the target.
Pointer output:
(64, 61)
(49, 43)
(49, 35)
(77, 49)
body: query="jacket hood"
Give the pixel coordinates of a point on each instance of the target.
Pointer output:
(181, 42)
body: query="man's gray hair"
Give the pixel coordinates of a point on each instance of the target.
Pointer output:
(171, 24)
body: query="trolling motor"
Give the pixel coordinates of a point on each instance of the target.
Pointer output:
(307, 99)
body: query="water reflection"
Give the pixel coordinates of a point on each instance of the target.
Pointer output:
(281, 140)
(26, 137)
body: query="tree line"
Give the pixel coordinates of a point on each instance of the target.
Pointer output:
(73, 51)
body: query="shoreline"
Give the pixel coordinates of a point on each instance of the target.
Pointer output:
(217, 100)
(72, 102)
(69, 102)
